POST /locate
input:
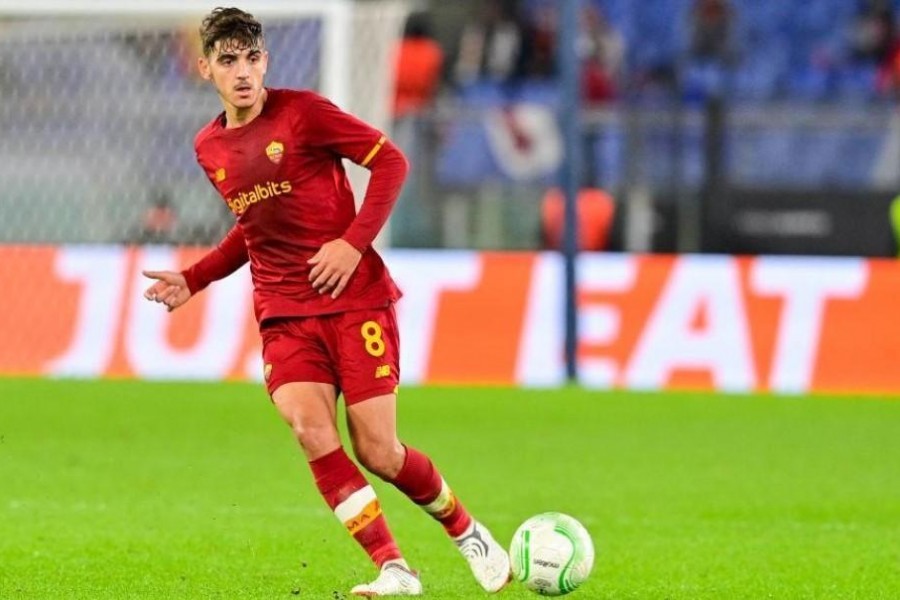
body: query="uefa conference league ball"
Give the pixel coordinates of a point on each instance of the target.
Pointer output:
(552, 554)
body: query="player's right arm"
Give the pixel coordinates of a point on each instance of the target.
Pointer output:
(174, 289)
(346, 136)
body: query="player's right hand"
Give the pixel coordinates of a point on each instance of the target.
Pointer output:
(170, 288)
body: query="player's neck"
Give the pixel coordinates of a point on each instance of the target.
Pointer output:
(240, 116)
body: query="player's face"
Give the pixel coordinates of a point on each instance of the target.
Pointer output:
(237, 72)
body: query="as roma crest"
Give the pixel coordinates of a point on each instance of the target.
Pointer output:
(275, 151)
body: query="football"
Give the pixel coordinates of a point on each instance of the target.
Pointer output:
(552, 554)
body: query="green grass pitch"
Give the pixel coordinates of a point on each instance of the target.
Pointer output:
(139, 490)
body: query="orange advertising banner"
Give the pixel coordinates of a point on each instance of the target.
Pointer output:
(791, 325)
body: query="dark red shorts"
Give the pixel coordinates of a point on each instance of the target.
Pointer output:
(357, 352)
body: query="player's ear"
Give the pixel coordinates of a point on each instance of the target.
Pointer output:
(204, 68)
(265, 61)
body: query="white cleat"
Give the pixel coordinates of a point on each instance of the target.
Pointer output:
(394, 580)
(487, 559)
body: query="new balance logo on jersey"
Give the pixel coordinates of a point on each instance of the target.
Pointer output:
(260, 191)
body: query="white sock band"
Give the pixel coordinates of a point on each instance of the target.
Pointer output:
(359, 509)
(444, 504)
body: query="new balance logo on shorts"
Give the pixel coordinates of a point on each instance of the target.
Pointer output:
(382, 371)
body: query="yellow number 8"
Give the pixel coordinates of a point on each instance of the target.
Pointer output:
(371, 332)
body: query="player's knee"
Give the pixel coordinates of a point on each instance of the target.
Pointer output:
(316, 440)
(315, 431)
(383, 460)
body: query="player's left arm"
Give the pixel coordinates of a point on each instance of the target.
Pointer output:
(356, 140)
(175, 288)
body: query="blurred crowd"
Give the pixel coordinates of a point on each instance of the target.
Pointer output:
(495, 72)
(475, 103)
(689, 50)
(504, 43)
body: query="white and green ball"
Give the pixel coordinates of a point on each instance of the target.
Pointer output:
(552, 554)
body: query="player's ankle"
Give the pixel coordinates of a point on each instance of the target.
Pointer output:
(461, 529)
(396, 561)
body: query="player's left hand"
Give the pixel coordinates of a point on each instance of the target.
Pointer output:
(333, 265)
(170, 288)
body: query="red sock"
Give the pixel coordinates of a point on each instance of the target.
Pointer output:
(419, 480)
(354, 503)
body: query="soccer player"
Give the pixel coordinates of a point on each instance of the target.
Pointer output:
(322, 295)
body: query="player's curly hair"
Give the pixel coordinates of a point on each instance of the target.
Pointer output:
(233, 26)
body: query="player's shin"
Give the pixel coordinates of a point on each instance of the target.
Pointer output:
(423, 484)
(420, 480)
(354, 503)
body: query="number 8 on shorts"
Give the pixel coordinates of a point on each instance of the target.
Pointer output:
(371, 333)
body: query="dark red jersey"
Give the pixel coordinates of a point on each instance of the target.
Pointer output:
(282, 177)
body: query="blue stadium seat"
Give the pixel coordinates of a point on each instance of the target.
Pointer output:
(785, 51)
